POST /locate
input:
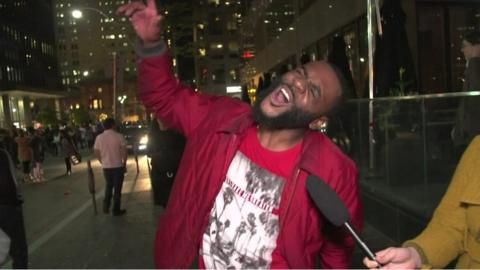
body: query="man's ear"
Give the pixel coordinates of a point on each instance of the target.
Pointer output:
(318, 123)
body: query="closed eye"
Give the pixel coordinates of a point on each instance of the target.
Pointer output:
(315, 90)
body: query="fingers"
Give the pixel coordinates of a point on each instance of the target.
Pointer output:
(152, 4)
(131, 8)
(369, 263)
(387, 255)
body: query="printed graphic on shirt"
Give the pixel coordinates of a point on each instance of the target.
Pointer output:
(243, 225)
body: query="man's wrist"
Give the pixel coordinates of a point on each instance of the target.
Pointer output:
(151, 48)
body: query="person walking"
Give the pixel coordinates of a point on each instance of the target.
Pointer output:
(24, 154)
(165, 148)
(239, 199)
(89, 136)
(11, 211)
(111, 151)
(68, 150)
(38, 148)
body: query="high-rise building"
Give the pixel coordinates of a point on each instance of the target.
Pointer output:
(88, 34)
(220, 47)
(28, 66)
(178, 33)
(95, 51)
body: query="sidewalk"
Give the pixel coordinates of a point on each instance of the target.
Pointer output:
(64, 232)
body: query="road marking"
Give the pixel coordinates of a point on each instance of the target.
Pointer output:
(62, 224)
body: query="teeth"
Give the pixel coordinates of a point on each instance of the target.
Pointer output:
(285, 94)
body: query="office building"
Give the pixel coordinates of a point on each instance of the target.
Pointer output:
(95, 51)
(28, 68)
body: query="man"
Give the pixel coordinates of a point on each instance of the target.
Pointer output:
(239, 198)
(110, 149)
(11, 212)
(165, 148)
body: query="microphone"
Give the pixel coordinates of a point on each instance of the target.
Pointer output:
(333, 208)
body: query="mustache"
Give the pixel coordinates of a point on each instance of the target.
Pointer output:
(267, 89)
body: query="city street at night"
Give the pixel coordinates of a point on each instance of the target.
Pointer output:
(64, 232)
(247, 134)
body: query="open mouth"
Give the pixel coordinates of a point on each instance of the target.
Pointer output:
(282, 95)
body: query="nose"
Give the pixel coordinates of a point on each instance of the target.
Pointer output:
(300, 85)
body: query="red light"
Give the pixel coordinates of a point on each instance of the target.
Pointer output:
(248, 54)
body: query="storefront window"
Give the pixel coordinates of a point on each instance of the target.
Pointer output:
(440, 33)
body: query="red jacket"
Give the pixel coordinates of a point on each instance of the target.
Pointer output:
(214, 127)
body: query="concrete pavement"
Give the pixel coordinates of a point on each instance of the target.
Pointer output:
(64, 232)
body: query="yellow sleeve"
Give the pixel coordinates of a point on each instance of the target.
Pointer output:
(442, 240)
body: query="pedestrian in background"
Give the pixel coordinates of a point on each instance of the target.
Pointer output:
(68, 150)
(89, 136)
(11, 212)
(38, 148)
(14, 146)
(57, 145)
(467, 125)
(111, 151)
(24, 154)
(165, 148)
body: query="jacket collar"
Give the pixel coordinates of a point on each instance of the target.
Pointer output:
(316, 147)
(315, 144)
(238, 124)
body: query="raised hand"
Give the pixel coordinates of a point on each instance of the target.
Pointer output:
(145, 20)
(395, 258)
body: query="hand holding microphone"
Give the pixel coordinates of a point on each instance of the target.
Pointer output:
(395, 258)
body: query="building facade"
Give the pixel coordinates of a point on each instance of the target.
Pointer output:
(287, 30)
(220, 47)
(29, 78)
(95, 46)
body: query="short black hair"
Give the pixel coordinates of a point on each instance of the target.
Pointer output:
(472, 37)
(109, 123)
(344, 88)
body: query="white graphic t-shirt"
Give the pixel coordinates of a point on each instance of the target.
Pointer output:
(243, 226)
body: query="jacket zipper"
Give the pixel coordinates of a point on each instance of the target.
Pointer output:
(290, 198)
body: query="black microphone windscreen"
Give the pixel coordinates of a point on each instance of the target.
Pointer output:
(327, 201)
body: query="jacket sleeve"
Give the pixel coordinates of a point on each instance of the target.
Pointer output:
(178, 106)
(442, 240)
(337, 250)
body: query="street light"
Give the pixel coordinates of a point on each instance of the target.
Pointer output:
(78, 14)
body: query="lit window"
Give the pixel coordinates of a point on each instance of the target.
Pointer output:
(202, 51)
(216, 46)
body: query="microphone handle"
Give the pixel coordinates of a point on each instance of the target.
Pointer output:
(364, 247)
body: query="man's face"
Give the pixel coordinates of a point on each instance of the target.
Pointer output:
(299, 98)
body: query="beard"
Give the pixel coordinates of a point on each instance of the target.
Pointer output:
(295, 118)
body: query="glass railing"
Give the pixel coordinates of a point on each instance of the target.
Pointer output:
(403, 146)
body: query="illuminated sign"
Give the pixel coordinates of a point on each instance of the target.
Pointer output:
(234, 89)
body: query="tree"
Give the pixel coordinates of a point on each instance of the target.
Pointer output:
(47, 116)
(80, 116)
